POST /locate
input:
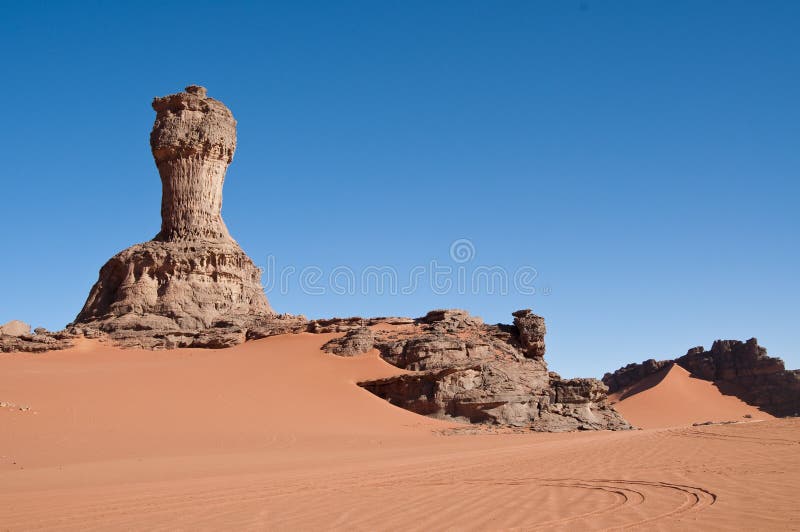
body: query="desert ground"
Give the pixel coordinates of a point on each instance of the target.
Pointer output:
(275, 434)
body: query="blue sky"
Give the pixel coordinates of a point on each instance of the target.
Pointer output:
(642, 156)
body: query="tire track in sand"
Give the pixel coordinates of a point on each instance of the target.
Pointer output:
(623, 503)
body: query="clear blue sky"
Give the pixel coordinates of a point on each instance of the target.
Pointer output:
(642, 156)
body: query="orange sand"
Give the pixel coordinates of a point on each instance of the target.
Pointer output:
(274, 434)
(673, 397)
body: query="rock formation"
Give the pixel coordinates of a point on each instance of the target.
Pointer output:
(15, 328)
(531, 332)
(468, 371)
(355, 342)
(16, 336)
(192, 285)
(737, 368)
(629, 375)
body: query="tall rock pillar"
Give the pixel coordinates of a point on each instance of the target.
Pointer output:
(192, 276)
(193, 141)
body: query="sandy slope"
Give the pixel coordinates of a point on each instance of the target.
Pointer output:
(673, 397)
(275, 434)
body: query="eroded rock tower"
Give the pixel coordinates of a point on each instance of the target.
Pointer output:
(192, 276)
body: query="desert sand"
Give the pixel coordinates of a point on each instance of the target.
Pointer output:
(275, 434)
(673, 397)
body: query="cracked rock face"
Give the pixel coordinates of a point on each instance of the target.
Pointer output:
(192, 276)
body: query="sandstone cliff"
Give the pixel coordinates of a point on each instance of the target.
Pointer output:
(737, 368)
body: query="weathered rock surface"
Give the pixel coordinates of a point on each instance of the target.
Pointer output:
(633, 373)
(531, 332)
(192, 285)
(355, 342)
(15, 328)
(221, 335)
(348, 324)
(737, 368)
(468, 371)
(26, 342)
(278, 324)
(193, 142)
(451, 320)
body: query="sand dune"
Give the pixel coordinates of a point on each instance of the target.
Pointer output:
(275, 434)
(673, 397)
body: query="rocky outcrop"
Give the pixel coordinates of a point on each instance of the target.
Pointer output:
(632, 373)
(737, 368)
(468, 371)
(355, 342)
(330, 325)
(192, 285)
(278, 324)
(531, 332)
(450, 320)
(730, 360)
(18, 338)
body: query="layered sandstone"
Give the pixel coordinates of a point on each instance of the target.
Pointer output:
(192, 280)
(463, 369)
(737, 368)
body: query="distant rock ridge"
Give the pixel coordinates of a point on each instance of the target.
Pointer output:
(468, 371)
(192, 279)
(738, 368)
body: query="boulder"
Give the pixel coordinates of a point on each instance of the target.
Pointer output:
(354, 342)
(15, 328)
